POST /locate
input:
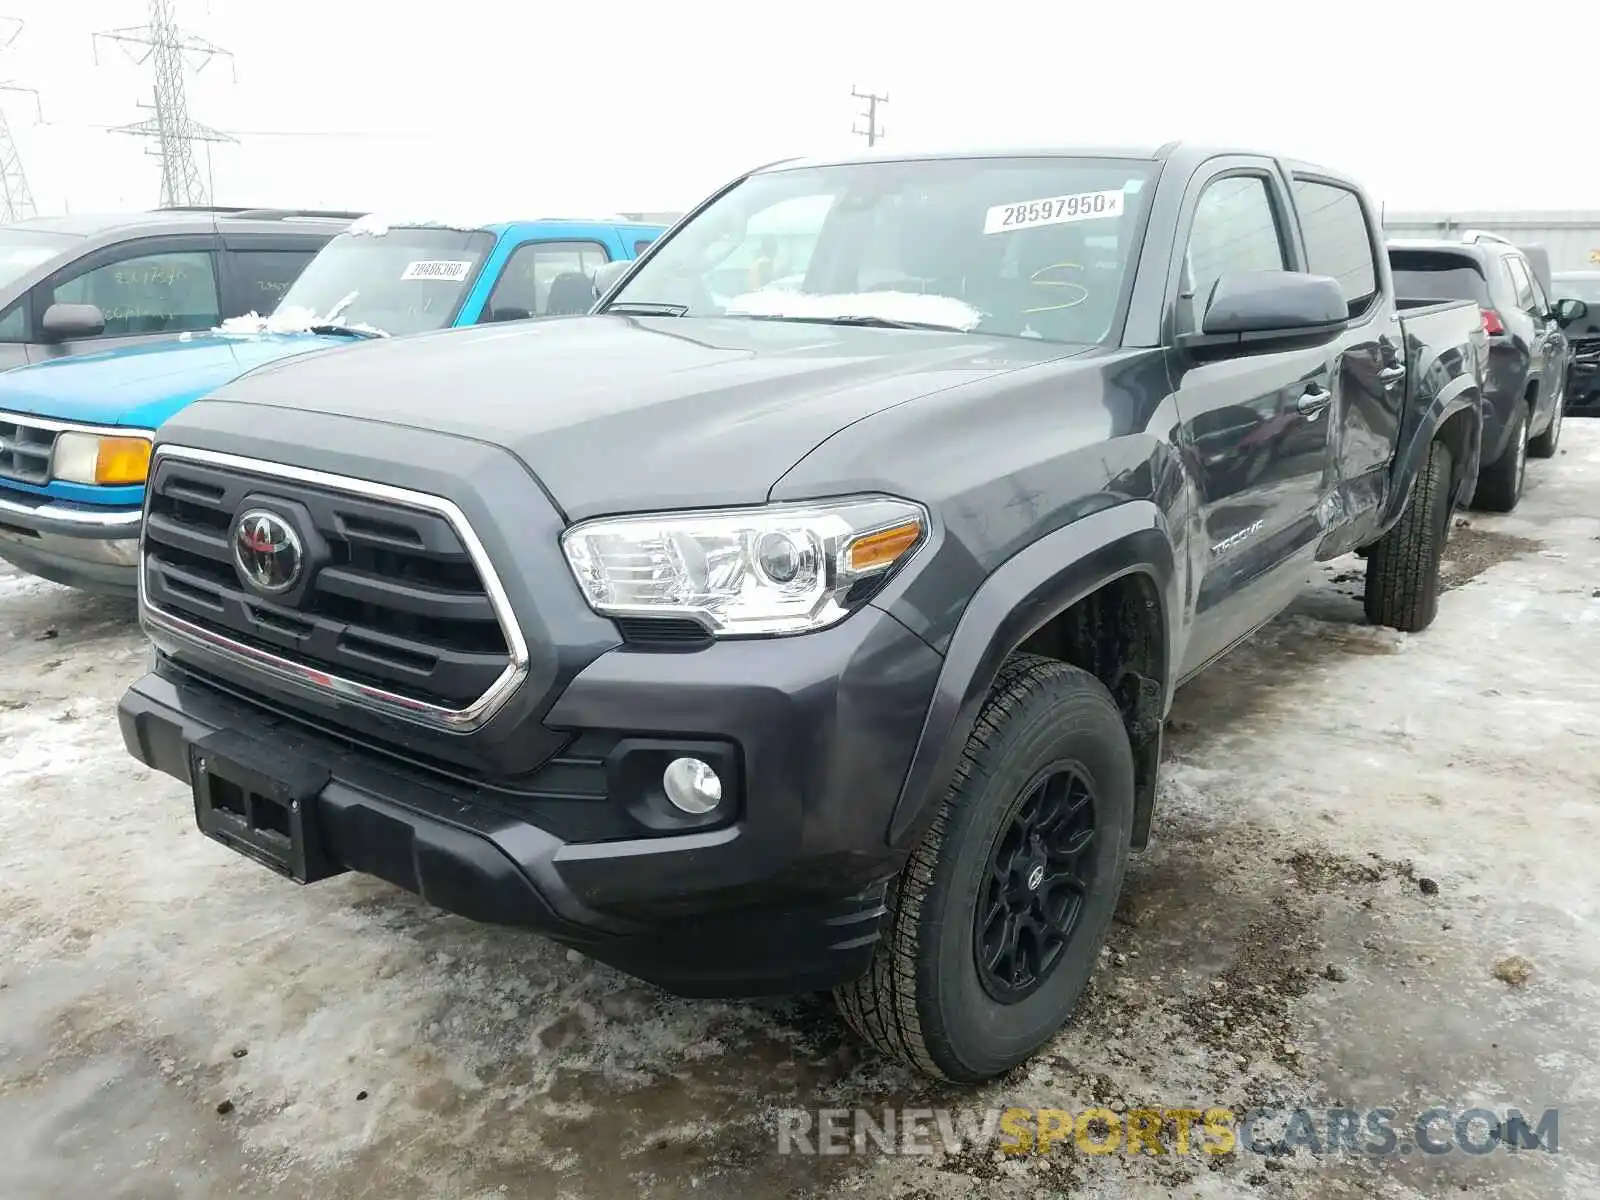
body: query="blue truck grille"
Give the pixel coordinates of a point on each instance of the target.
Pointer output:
(394, 600)
(25, 450)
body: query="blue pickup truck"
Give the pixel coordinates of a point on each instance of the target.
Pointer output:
(75, 433)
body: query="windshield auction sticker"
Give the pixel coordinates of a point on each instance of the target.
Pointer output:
(448, 270)
(1056, 210)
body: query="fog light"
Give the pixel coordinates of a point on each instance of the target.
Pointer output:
(692, 786)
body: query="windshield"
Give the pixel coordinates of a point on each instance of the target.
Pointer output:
(1024, 247)
(23, 249)
(1580, 287)
(401, 281)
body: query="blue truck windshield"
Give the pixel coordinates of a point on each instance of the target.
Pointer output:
(1025, 247)
(401, 281)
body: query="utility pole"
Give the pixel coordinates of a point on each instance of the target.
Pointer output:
(16, 198)
(170, 126)
(872, 133)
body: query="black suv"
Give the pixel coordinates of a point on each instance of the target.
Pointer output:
(1583, 338)
(77, 284)
(1527, 348)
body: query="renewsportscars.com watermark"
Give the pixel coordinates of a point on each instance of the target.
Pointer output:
(1376, 1132)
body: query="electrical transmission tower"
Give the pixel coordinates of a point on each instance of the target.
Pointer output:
(16, 198)
(170, 126)
(872, 133)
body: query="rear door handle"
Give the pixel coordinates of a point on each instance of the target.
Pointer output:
(1313, 401)
(1390, 374)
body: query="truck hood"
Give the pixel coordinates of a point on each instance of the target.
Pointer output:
(142, 385)
(617, 414)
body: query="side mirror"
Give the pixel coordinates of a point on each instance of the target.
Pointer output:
(1568, 311)
(606, 277)
(68, 322)
(1267, 310)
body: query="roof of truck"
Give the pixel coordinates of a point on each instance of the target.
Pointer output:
(178, 220)
(1187, 154)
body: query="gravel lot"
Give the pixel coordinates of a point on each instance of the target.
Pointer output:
(1357, 826)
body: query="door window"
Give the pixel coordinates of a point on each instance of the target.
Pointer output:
(1338, 240)
(1235, 229)
(546, 279)
(265, 275)
(148, 293)
(1522, 283)
(14, 324)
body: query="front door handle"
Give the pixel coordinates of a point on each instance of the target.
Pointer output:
(1313, 401)
(1391, 374)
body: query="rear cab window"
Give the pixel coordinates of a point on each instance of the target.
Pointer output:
(1339, 239)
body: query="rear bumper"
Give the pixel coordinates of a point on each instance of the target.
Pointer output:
(95, 549)
(783, 896)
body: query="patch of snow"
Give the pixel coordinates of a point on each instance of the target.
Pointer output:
(890, 306)
(294, 318)
(379, 224)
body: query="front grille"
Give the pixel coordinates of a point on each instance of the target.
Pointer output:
(394, 600)
(25, 450)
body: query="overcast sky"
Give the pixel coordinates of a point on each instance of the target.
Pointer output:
(535, 109)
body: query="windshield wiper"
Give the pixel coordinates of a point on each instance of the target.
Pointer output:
(646, 308)
(348, 331)
(855, 319)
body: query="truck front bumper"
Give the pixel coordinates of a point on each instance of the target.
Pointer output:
(80, 545)
(784, 896)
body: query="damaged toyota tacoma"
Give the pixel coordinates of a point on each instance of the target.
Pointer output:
(806, 615)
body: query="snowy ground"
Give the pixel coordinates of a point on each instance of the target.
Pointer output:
(1356, 827)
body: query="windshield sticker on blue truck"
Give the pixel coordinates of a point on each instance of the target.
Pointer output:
(446, 269)
(1055, 210)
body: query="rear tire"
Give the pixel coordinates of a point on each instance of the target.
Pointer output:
(944, 995)
(1500, 483)
(1544, 446)
(1402, 589)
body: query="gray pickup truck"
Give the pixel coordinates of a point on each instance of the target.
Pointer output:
(806, 616)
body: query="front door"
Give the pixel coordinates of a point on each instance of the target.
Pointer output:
(1253, 429)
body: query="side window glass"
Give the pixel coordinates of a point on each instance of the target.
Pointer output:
(14, 322)
(1235, 229)
(1521, 282)
(546, 279)
(149, 293)
(1338, 242)
(1541, 302)
(640, 247)
(265, 275)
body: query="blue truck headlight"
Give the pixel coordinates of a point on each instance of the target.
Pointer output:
(106, 460)
(776, 569)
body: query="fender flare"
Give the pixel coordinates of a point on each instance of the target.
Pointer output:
(1461, 395)
(1027, 591)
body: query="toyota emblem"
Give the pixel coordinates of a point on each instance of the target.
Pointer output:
(267, 551)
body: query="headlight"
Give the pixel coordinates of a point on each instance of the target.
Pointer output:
(105, 460)
(782, 568)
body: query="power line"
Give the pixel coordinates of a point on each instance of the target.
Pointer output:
(872, 133)
(170, 126)
(16, 197)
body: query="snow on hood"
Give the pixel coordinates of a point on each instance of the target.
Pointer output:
(378, 224)
(292, 319)
(890, 306)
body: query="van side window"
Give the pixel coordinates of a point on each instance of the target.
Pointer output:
(1234, 229)
(1338, 240)
(148, 293)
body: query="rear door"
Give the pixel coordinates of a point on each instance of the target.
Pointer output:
(1343, 239)
(1254, 428)
(149, 289)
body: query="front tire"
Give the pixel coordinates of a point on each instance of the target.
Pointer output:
(1402, 589)
(996, 922)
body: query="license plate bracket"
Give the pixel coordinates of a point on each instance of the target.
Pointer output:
(262, 803)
